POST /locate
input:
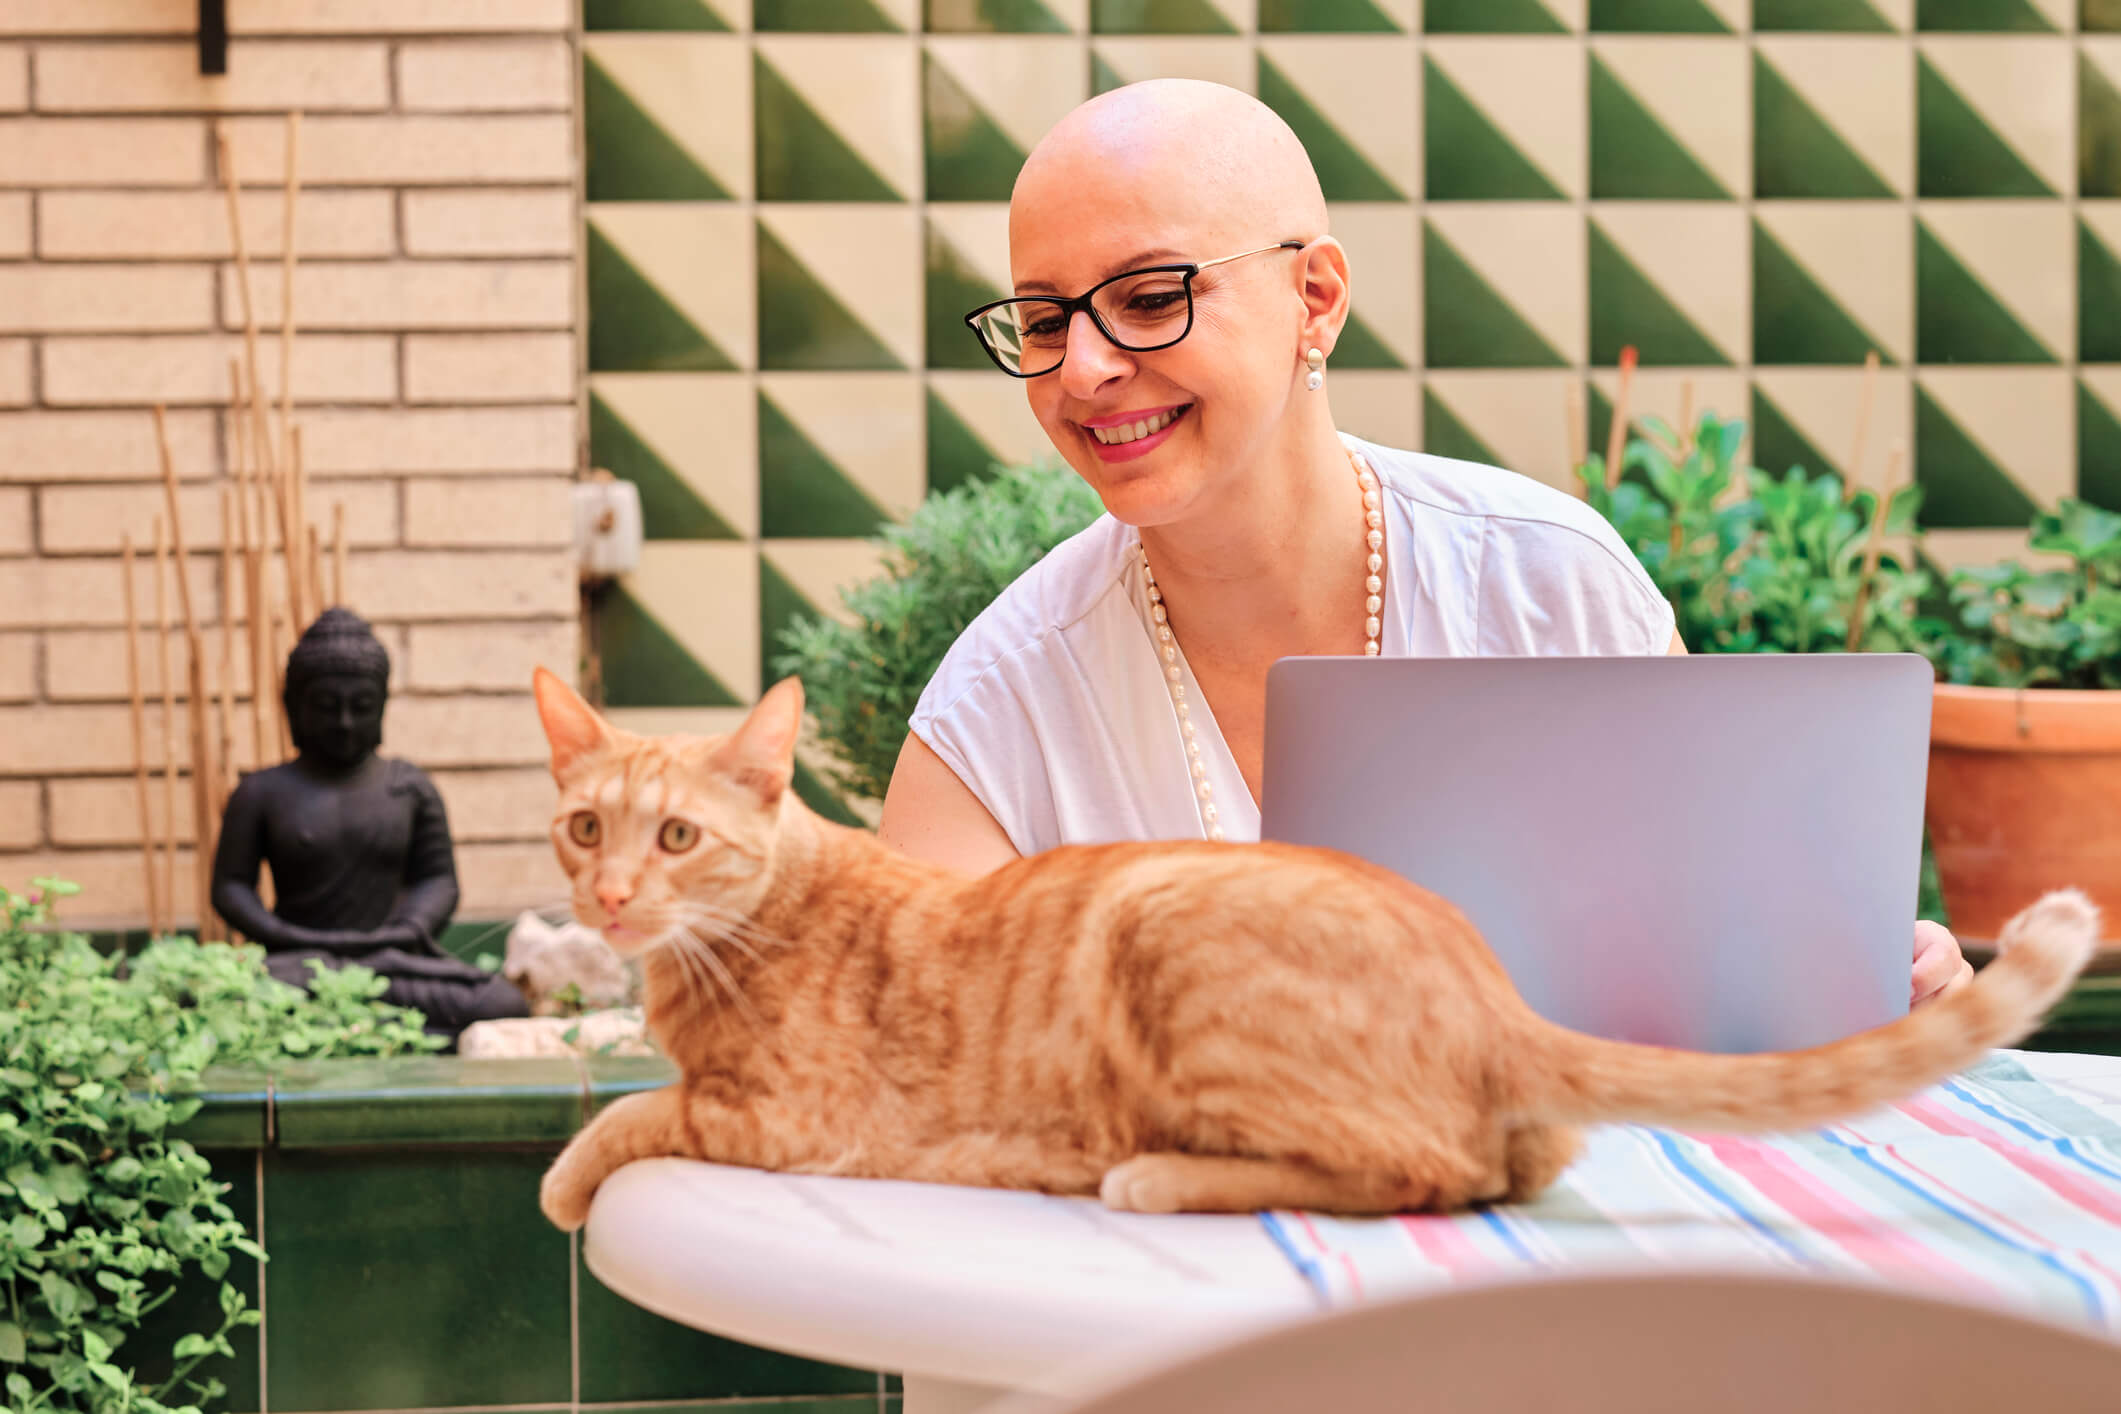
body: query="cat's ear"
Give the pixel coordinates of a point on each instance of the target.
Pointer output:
(762, 753)
(572, 726)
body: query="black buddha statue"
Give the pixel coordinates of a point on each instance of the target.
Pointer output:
(359, 845)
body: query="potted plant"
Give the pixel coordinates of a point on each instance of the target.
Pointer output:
(2025, 735)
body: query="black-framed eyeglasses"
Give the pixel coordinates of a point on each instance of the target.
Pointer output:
(1138, 310)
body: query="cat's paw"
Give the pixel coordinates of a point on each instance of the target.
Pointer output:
(1147, 1183)
(564, 1197)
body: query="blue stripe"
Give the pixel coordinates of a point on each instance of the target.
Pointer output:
(1693, 1174)
(1508, 1238)
(2054, 1137)
(1307, 1267)
(2046, 1259)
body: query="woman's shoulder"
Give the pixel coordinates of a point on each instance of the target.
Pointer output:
(1064, 587)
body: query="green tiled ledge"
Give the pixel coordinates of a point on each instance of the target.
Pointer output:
(413, 1101)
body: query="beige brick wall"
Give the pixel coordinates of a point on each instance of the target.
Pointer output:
(436, 378)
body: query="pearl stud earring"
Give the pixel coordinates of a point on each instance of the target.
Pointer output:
(1315, 360)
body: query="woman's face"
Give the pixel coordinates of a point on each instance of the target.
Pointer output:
(1220, 392)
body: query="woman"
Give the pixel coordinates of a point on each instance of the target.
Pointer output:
(1177, 303)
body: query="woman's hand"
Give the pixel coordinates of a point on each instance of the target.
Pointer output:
(1939, 965)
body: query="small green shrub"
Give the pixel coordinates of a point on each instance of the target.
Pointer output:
(1753, 562)
(942, 566)
(102, 1211)
(2021, 627)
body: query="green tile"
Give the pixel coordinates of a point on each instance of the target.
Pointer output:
(820, 796)
(1466, 324)
(1794, 319)
(956, 454)
(2100, 16)
(2098, 131)
(1103, 77)
(627, 155)
(1656, 17)
(194, 1305)
(803, 325)
(780, 605)
(413, 1280)
(800, 157)
(991, 17)
(1797, 153)
(1343, 172)
(1359, 347)
(1490, 17)
(632, 1354)
(969, 157)
(1957, 319)
(1958, 154)
(1158, 17)
(232, 1113)
(1633, 155)
(2098, 299)
(650, 14)
(1324, 17)
(633, 326)
(802, 494)
(1628, 308)
(1778, 445)
(1962, 486)
(426, 1100)
(1468, 157)
(1831, 16)
(1985, 16)
(645, 665)
(670, 508)
(954, 289)
(2098, 451)
(821, 17)
(1444, 434)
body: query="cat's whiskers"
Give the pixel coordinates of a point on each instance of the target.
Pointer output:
(723, 932)
(695, 949)
(554, 913)
(732, 923)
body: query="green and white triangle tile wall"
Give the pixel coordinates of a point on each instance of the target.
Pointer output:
(792, 202)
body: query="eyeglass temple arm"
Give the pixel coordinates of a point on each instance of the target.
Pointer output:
(1225, 260)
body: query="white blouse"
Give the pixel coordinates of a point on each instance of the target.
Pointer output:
(1052, 707)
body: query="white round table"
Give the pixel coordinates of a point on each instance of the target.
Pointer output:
(970, 1293)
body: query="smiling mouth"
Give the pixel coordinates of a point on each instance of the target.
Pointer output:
(1122, 433)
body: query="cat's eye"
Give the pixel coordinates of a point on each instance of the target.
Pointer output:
(678, 835)
(584, 828)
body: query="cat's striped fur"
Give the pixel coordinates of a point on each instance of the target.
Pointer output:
(1178, 1026)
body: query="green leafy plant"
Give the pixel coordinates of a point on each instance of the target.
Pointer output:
(102, 1209)
(1759, 563)
(2060, 627)
(942, 566)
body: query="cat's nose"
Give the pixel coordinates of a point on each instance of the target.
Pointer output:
(614, 895)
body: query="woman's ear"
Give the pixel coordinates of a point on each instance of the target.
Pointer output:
(1325, 291)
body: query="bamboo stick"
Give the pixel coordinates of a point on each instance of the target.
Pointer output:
(253, 578)
(1617, 437)
(279, 682)
(1853, 473)
(316, 569)
(169, 724)
(1874, 545)
(338, 553)
(225, 782)
(291, 189)
(139, 716)
(204, 772)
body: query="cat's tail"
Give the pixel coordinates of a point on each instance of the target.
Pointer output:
(1585, 1080)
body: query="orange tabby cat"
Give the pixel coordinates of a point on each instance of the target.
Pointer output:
(1180, 1026)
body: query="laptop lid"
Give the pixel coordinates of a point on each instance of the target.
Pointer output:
(1716, 852)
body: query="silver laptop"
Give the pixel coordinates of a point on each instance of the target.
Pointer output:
(1714, 852)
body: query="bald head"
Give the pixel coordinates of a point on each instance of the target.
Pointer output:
(1198, 161)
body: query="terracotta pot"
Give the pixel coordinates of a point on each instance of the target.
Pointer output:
(2024, 796)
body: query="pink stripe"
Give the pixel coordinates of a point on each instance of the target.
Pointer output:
(2002, 1220)
(2058, 1179)
(1868, 1239)
(1444, 1242)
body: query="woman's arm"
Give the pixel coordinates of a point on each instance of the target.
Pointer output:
(931, 815)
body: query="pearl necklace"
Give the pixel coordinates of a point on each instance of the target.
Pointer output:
(1167, 645)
